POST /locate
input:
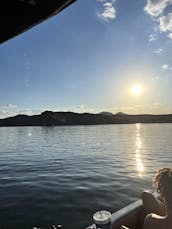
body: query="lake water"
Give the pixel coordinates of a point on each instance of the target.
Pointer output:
(63, 175)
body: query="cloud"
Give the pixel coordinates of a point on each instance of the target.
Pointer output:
(152, 37)
(170, 35)
(156, 7)
(81, 108)
(9, 106)
(109, 11)
(158, 51)
(30, 111)
(10, 110)
(152, 108)
(5, 113)
(165, 23)
(165, 67)
(155, 78)
(7, 110)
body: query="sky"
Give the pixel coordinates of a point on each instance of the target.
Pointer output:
(89, 57)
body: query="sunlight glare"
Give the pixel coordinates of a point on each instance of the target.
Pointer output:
(139, 162)
(136, 90)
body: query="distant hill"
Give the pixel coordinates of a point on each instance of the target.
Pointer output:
(49, 118)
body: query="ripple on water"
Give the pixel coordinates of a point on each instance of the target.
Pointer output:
(65, 174)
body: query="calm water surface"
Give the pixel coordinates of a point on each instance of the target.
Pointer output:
(63, 175)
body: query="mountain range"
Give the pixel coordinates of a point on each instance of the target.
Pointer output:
(49, 118)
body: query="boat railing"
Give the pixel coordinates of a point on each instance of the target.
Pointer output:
(131, 216)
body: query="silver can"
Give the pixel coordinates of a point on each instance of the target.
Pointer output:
(102, 219)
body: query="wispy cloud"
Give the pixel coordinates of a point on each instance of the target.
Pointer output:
(4, 113)
(161, 11)
(28, 111)
(12, 110)
(158, 51)
(81, 108)
(109, 12)
(153, 108)
(155, 78)
(8, 106)
(7, 110)
(152, 37)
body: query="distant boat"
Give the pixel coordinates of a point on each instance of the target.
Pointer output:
(131, 216)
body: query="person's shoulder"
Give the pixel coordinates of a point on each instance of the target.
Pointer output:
(152, 221)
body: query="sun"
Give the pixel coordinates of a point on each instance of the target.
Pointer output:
(136, 89)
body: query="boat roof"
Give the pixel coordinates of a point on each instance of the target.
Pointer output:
(17, 16)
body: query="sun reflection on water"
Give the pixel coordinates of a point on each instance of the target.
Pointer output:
(138, 156)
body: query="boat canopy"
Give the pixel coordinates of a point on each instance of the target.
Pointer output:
(17, 16)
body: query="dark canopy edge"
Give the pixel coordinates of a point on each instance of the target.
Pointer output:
(17, 16)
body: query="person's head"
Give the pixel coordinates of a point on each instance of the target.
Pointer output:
(163, 183)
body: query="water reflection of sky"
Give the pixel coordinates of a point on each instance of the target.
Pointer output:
(138, 153)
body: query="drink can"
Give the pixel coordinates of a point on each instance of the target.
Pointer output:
(102, 219)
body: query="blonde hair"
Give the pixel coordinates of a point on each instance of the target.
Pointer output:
(163, 184)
